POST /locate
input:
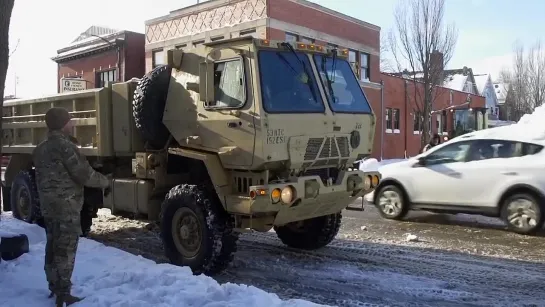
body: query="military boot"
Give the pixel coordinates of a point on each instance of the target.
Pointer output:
(68, 299)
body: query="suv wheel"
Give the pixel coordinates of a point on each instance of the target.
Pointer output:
(523, 213)
(391, 203)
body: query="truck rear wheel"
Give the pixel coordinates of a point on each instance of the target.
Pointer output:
(148, 106)
(24, 197)
(195, 230)
(310, 234)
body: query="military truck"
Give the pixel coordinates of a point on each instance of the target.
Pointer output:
(233, 136)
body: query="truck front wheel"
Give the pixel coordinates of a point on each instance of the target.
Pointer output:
(310, 234)
(195, 230)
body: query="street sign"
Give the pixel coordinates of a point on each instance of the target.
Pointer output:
(73, 85)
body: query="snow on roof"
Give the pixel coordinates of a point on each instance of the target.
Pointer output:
(107, 276)
(480, 82)
(501, 90)
(81, 49)
(455, 82)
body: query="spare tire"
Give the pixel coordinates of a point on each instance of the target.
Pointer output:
(13, 247)
(148, 106)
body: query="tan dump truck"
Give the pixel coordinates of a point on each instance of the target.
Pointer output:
(230, 136)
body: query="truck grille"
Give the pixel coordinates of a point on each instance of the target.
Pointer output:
(327, 151)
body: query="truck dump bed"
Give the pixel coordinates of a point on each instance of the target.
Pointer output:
(102, 117)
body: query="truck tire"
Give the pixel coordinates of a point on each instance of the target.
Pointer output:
(6, 198)
(196, 231)
(13, 247)
(24, 197)
(148, 106)
(310, 234)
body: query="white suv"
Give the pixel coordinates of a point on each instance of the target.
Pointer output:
(494, 172)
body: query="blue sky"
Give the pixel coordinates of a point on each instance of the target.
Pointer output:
(487, 30)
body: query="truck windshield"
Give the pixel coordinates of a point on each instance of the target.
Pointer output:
(345, 93)
(285, 85)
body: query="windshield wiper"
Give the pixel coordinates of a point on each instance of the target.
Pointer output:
(328, 80)
(307, 78)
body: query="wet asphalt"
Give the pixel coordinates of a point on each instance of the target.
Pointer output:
(472, 234)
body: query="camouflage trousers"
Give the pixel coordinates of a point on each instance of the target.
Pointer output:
(60, 255)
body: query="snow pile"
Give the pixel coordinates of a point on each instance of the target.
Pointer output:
(535, 119)
(107, 276)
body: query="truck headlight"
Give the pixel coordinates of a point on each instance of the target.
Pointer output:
(276, 195)
(367, 182)
(287, 195)
(374, 181)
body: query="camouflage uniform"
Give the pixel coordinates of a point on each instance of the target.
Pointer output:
(61, 174)
(88, 210)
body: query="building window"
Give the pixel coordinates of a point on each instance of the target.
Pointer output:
(157, 58)
(388, 119)
(292, 38)
(396, 119)
(196, 43)
(352, 59)
(247, 32)
(417, 121)
(105, 77)
(307, 40)
(364, 66)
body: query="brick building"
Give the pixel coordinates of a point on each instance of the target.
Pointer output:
(303, 21)
(100, 55)
(399, 134)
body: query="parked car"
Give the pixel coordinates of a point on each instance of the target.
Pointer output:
(493, 172)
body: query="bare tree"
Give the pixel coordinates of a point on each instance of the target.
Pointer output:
(6, 7)
(420, 35)
(526, 80)
(385, 55)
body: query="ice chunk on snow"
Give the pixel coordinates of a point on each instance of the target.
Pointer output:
(410, 237)
(107, 276)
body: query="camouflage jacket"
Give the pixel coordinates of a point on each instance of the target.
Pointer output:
(61, 174)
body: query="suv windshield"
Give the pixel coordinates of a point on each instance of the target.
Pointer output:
(285, 86)
(345, 93)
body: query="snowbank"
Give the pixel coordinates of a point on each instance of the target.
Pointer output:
(107, 276)
(535, 119)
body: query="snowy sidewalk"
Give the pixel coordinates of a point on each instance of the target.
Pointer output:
(107, 276)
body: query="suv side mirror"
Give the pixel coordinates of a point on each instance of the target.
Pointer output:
(422, 161)
(206, 83)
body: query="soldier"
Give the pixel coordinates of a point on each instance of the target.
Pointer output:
(61, 174)
(92, 197)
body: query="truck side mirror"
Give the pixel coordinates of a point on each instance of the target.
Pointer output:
(174, 58)
(206, 83)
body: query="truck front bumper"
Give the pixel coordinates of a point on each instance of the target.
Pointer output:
(308, 196)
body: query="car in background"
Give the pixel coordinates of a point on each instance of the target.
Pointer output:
(493, 172)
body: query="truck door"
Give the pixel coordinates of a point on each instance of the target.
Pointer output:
(228, 124)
